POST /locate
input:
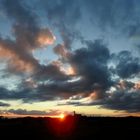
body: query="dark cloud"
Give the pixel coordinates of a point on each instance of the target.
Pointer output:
(91, 64)
(123, 84)
(87, 62)
(125, 98)
(25, 27)
(28, 36)
(9, 95)
(127, 66)
(31, 112)
(25, 112)
(122, 100)
(60, 50)
(30, 94)
(43, 92)
(18, 59)
(18, 53)
(2, 104)
(51, 72)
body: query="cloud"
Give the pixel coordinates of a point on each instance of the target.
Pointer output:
(18, 58)
(127, 65)
(25, 112)
(2, 104)
(91, 64)
(46, 37)
(124, 100)
(25, 23)
(28, 37)
(60, 50)
(87, 64)
(30, 112)
(63, 16)
(81, 74)
(51, 83)
(51, 72)
(91, 74)
(125, 97)
(92, 80)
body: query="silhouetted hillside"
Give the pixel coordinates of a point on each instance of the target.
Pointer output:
(72, 127)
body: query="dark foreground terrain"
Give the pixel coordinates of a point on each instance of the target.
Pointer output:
(70, 128)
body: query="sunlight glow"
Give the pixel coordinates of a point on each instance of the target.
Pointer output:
(62, 116)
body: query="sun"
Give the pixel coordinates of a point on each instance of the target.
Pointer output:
(62, 116)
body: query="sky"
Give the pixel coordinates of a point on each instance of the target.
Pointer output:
(59, 56)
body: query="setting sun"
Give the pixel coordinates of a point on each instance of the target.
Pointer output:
(62, 116)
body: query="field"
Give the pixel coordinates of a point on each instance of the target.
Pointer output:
(70, 128)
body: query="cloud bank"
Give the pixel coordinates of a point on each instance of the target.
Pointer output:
(87, 75)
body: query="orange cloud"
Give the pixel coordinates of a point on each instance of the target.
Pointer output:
(17, 61)
(70, 71)
(137, 86)
(19, 55)
(45, 37)
(67, 70)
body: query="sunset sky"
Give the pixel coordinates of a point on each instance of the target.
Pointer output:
(60, 56)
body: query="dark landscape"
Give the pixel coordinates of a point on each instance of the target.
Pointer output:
(71, 128)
